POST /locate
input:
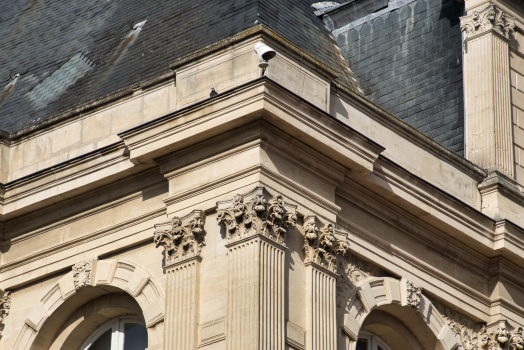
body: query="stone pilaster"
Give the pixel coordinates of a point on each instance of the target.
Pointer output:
(256, 229)
(182, 239)
(488, 124)
(322, 250)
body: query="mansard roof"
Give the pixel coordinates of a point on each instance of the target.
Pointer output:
(71, 53)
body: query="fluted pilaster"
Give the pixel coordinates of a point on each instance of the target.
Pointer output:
(256, 294)
(489, 140)
(183, 282)
(321, 330)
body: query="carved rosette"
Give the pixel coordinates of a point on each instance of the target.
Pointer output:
(256, 214)
(82, 273)
(413, 294)
(181, 237)
(489, 19)
(5, 306)
(321, 246)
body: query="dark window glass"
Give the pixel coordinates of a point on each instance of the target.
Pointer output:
(362, 344)
(135, 337)
(104, 342)
(379, 347)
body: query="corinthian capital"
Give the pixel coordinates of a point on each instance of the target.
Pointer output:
(181, 237)
(321, 246)
(490, 19)
(256, 213)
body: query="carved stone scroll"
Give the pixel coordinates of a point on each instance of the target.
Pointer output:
(489, 19)
(256, 214)
(181, 237)
(321, 246)
(5, 306)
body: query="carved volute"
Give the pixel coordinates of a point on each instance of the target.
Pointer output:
(257, 213)
(181, 237)
(321, 246)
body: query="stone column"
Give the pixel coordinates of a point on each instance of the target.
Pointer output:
(322, 250)
(182, 239)
(488, 124)
(256, 231)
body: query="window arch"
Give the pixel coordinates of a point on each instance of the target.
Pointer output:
(120, 333)
(370, 341)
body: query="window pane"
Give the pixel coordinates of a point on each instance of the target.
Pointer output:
(362, 344)
(103, 343)
(379, 347)
(135, 337)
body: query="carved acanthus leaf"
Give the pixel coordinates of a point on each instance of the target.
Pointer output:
(351, 271)
(256, 214)
(5, 306)
(181, 238)
(491, 18)
(82, 273)
(321, 246)
(467, 331)
(413, 294)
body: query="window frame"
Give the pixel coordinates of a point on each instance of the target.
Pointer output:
(373, 340)
(117, 325)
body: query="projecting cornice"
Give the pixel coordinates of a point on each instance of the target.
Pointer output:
(259, 99)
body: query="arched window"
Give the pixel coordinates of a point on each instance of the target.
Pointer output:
(121, 333)
(370, 341)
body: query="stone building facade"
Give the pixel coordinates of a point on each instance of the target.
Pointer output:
(161, 189)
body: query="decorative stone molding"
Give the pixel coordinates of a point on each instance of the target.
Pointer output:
(464, 329)
(82, 273)
(5, 306)
(350, 272)
(256, 214)
(181, 237)
(321, 246)
(501, 338)
(489, 19)
(413, 294)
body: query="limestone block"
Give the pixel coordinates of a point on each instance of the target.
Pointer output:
(126, 114)
(154, 313)
(66, 135)
(67, 286)
(448, 337)
(16, 156)
(36, 317)
(393, 287)
(295, 335)
(137, 282)
(213, 331)
(73, 153)
(156, 103)
(37, 148)
(231, 68)
(96, 126)
(517, 98)
(105, 272)
(367, 297)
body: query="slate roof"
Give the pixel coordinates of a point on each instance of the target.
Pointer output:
(39, 37)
